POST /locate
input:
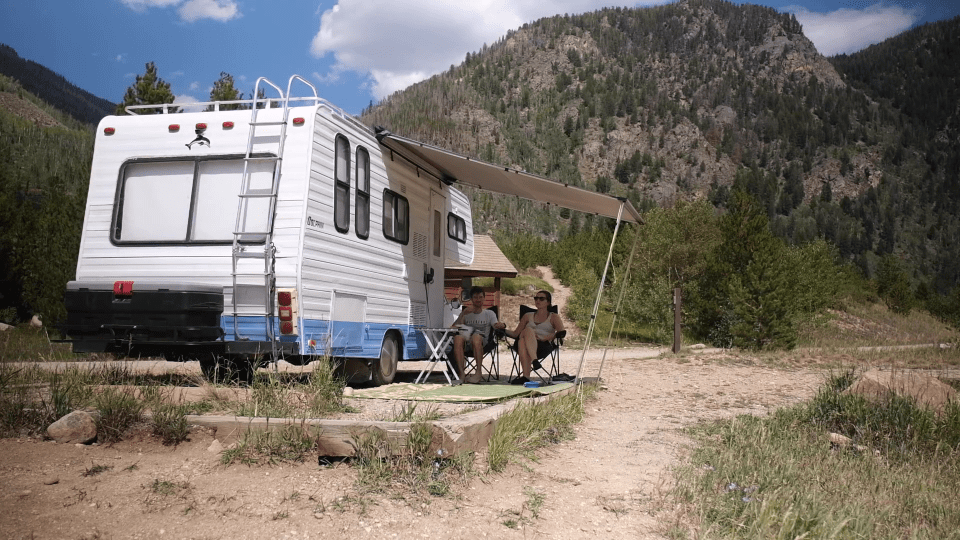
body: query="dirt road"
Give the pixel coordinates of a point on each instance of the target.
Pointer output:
(604, 483)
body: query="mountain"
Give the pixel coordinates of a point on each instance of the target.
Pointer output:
(53, 88)
(684, 101)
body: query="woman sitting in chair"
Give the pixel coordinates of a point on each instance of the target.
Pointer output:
(535, 333)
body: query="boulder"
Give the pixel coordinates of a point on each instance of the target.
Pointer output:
(76, 427)
(927, 391)
(4, 327)
(35, 322)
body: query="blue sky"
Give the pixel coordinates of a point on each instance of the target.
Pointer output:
(355, 51)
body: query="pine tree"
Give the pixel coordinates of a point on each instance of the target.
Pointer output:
(149, 89)
(743, 297)
(224, 90)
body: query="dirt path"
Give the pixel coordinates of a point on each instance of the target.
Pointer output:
(604, 483)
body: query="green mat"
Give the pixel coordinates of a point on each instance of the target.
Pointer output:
(464, 393)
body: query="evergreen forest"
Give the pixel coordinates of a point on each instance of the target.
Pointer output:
(774, 182)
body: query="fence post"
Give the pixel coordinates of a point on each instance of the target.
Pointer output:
(676, 320)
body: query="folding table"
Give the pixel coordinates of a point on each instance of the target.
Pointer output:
(437, 340)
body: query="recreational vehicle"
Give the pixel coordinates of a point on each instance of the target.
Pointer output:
(259, 230)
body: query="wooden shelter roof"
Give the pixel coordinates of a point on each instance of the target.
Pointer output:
(488, 261)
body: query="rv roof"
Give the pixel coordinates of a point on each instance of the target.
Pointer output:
(450, 167)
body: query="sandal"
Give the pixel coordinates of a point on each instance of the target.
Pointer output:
(520, 380)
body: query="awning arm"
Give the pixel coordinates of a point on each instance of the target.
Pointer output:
(596, 304)
(616, 310)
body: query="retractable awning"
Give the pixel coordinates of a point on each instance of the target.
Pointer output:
(453, 168)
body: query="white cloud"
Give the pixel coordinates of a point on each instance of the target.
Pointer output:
(194, 85)
(396, 44)
(191, 10)
(185, 101)
(219, 10)
(849, 30)
(142, 5)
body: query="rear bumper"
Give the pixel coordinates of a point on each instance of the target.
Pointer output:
(152, 318)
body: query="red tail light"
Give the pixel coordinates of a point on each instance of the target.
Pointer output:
(287, 311)
(109, 131)
(123, 288)
(298, 121)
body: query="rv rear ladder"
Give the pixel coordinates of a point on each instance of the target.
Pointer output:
(243, 238)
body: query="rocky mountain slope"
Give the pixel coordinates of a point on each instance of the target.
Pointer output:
(683, 101)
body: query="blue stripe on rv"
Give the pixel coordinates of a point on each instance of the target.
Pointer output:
(339, 338)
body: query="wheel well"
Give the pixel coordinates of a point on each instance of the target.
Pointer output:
(398, 336)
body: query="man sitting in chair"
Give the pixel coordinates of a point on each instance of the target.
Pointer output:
(481, 320)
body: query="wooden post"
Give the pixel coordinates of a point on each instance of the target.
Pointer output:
(676, 321)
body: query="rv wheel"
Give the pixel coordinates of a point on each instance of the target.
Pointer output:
(386, 368)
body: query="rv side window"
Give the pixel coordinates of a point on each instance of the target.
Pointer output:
(188, 200)
(363, 193)
(396, 217)
(456, 228)
(341, 185)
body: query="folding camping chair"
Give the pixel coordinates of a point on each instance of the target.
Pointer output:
(490, 367)
(545, 372)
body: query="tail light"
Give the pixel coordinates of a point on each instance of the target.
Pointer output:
(287, 311)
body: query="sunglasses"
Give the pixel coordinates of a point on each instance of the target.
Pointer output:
(544, 298)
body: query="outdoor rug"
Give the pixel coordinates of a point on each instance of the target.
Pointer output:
(464, 393)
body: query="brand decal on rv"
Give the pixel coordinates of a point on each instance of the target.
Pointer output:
(314, 223)
(200, 140)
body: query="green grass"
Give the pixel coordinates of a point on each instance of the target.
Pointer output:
(410, 470)
(288, 445)
(867, 324)
(529, 427)
(779, 477)
(276, 395)
(27, 344)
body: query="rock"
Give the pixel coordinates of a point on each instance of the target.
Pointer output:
(4, 327)
(927, 391)
(698, 346)
(76, 427)
(215, 447)
(347, 391)
(35, 322)
(51, 480)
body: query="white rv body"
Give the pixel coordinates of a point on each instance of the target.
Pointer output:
(162, 213)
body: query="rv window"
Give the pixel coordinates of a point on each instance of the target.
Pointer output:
(218, 184)
(396, 217)
(189, 200)
(456, 228)
(341, 185)
(363, 193)
(154, 203)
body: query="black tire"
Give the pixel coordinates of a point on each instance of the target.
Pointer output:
(385, 369)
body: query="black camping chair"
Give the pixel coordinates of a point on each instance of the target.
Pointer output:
(490, 367)
(545, 371)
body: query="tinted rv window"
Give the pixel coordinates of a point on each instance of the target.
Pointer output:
(456, 228)
(396, 217)
(363, 193)
(188, 200)
(341, 185)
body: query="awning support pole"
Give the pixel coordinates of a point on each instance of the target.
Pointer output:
(616, 311)
(596, 304)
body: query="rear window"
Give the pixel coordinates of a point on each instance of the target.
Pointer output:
(188, 200)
